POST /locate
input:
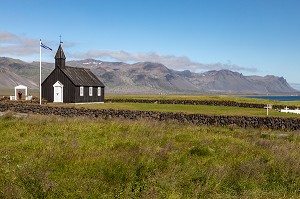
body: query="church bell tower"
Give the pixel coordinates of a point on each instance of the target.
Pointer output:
(60, 58)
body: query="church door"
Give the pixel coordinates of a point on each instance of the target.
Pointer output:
(58, 92)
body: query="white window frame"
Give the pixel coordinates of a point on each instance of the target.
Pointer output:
(99, 91)
(90, 91)
(81, 93)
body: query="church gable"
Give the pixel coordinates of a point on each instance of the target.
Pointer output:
(55, 76)
(73, 79)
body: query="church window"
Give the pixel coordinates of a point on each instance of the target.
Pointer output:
(99, 91)
(90, 91)
(81, 90)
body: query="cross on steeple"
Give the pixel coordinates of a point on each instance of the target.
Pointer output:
(60, 42)
(60, 58)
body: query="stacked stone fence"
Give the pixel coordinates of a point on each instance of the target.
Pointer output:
(196, 119)
(199, 102)
(34, 100)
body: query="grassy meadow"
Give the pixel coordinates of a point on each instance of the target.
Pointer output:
(58, 157)
(235, 98)
(189, 109)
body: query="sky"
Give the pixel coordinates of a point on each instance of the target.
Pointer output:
(253, 37)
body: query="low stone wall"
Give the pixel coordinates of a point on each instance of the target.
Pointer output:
(198, 102)
(34, 100)
(196, 119)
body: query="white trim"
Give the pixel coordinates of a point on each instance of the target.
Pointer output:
(20, 87)
(81, 91)
(99, 91)
(90, 91)
(40, 72)
(58, 90)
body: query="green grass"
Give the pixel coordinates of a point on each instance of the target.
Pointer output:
(56, 157)
(191, 109)
(241, 99)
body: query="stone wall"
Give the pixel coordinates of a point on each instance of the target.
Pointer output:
(199, 102)
(196, 119)
(34, 100)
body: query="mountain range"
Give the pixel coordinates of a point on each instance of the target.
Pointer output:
(148, 78)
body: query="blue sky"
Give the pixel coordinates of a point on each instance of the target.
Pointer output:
(254, 37)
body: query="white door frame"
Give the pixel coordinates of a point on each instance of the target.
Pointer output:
(58, 90)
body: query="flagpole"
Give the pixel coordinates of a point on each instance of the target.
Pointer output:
(40, 71)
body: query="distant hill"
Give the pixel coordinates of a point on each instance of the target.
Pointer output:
(295, 86)
(148, 77)
(14, 72)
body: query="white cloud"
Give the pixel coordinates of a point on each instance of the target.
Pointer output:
(6, 37)
(11, 44)
(14, 45)
(174, 62)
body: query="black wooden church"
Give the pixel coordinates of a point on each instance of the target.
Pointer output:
(71, 84)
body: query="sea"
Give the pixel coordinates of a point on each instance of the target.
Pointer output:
(277, 98)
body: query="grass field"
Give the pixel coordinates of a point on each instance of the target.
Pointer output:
(191, 109)
(56, 157)
(241, 99)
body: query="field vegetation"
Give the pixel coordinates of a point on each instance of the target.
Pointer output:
(189, 109)
(235, 98)
(58, 157)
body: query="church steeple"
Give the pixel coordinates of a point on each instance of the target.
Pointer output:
(60, 58)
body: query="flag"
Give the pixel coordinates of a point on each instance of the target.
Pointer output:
(46, 47)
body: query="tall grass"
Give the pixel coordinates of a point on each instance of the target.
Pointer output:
(57, 157)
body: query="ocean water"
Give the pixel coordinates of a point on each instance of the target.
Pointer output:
(278, 98)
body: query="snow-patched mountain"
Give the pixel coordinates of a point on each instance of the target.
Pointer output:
(148, 78)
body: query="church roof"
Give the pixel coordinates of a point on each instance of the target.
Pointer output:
(82, 76)
(60, 53)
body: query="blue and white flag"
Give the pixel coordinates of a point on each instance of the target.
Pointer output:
(46, 47)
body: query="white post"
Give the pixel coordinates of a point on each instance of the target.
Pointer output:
(267, 107)
(40, 72)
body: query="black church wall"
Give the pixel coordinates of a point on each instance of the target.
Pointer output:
(68, 89)
(102, 94)
(86, 97)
